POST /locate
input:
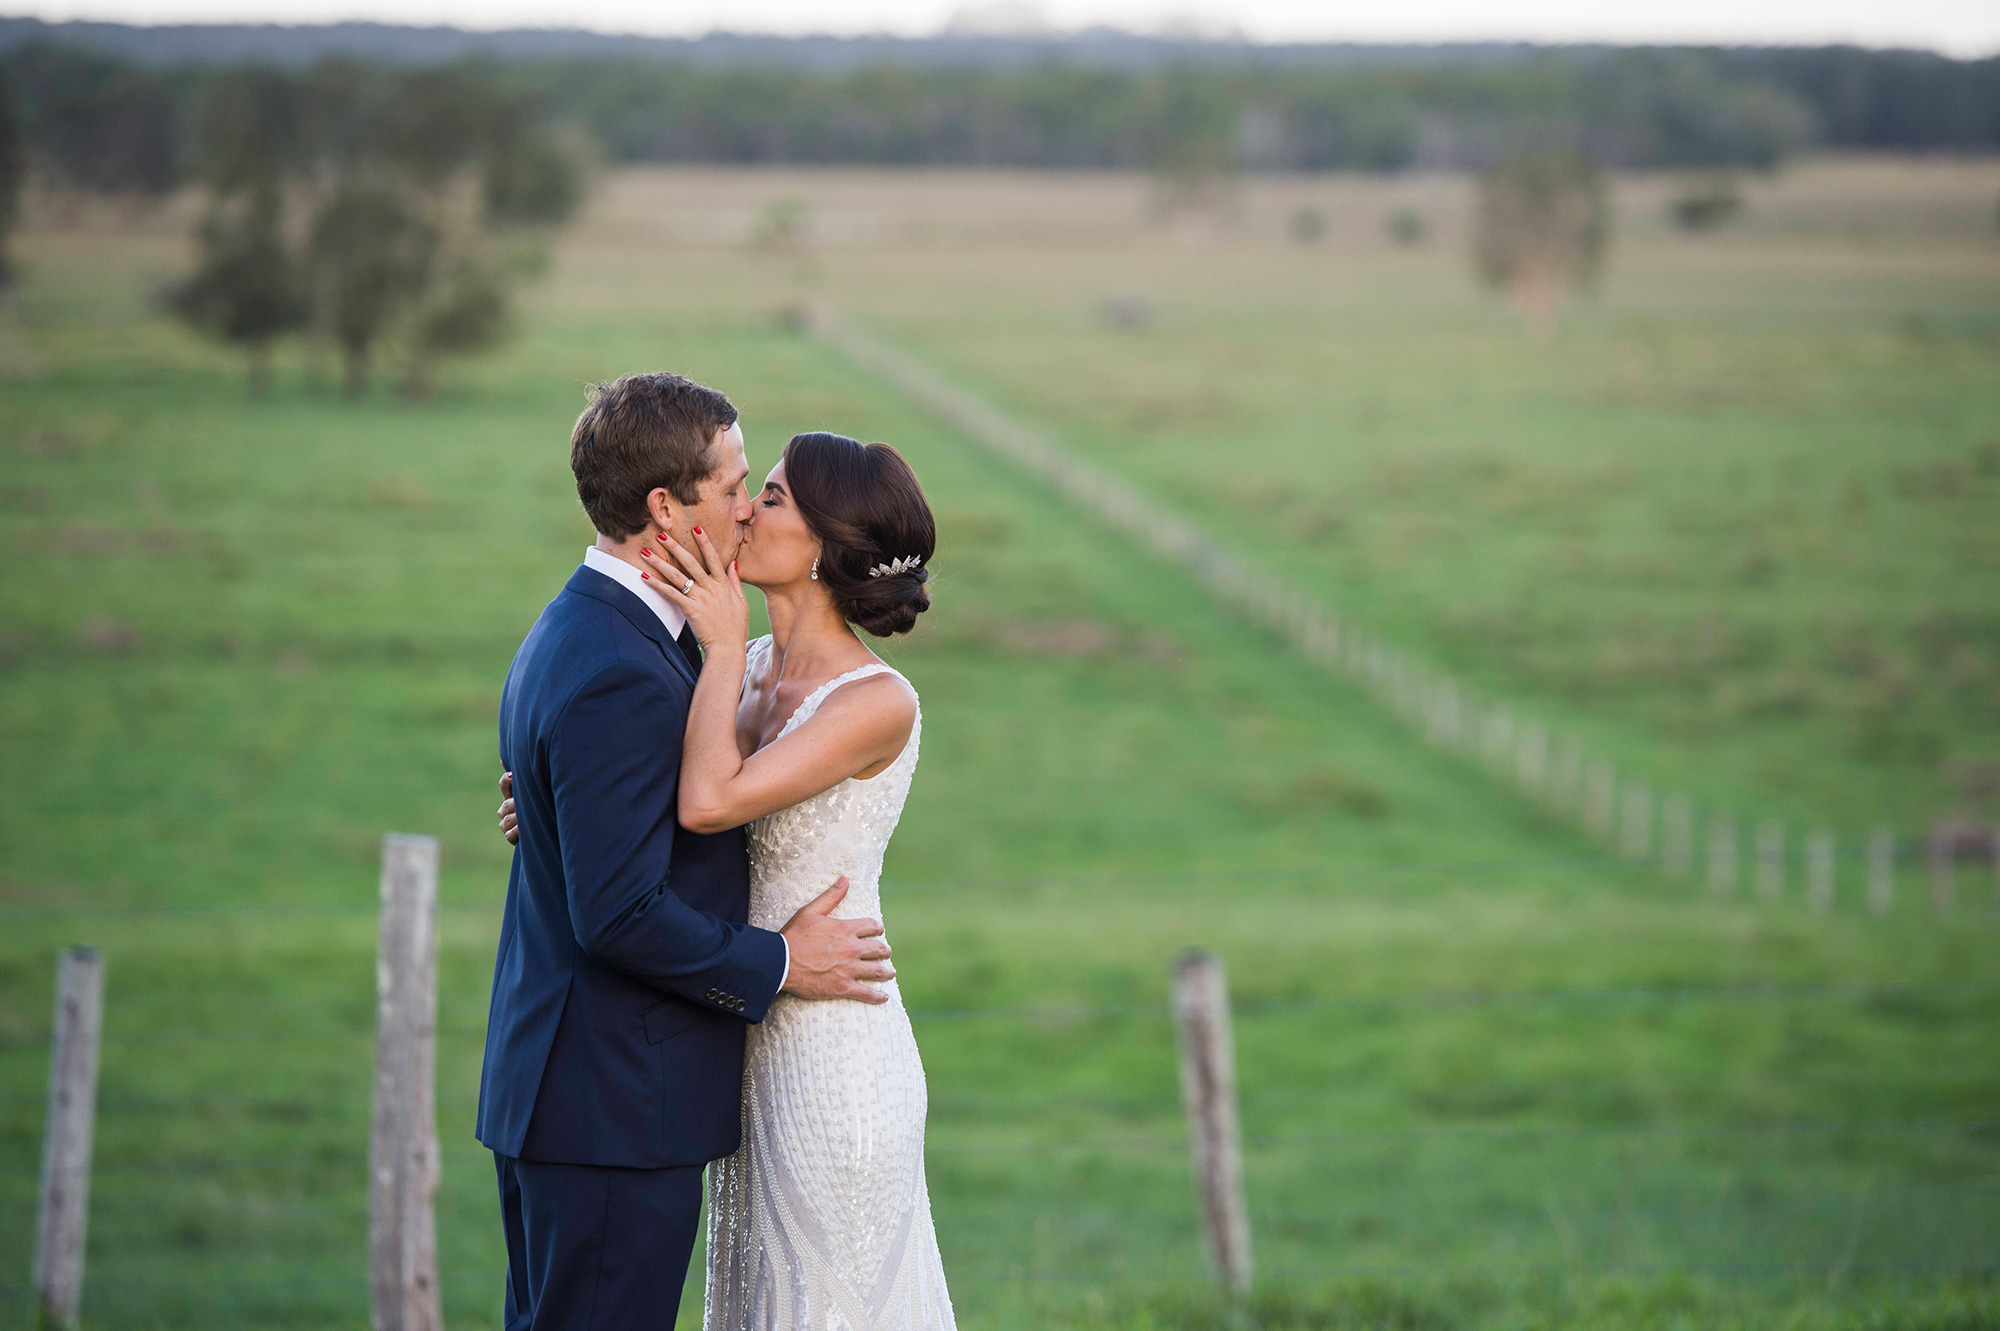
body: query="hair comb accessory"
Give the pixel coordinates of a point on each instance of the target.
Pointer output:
(895, 566)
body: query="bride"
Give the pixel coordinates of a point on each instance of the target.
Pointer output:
(821, 1221)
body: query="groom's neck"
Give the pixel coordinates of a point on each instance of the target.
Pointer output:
(629, 548)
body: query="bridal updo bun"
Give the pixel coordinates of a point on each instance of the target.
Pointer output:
(864, 504)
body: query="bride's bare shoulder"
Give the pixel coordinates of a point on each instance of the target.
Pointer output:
(883, 703)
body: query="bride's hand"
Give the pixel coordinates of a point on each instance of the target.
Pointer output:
(703, 589)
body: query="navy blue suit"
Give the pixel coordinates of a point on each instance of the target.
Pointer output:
(626, 972)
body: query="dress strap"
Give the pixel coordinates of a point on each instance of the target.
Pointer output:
(818, 695)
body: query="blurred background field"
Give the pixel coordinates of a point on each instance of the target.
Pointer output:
(1731, 514)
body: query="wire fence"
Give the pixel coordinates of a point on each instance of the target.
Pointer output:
(985, 1132)
(251, 1122)
(1626, 811)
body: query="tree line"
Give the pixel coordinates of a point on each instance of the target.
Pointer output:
(98, 123)
(356, 205)
(367, 205)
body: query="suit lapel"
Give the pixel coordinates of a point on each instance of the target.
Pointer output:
(589, 582)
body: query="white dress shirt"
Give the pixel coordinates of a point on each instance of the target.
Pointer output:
(622, 573)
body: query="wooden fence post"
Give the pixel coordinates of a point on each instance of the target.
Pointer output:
(1208, 1086)
(1598, 797)
(403, 1163)
(1881, 870)
(1677, 836)
(1819, 871)
(1943, 857)
(65, 1197)
(1771, 859)
(1721, 855)
(1565, 786)
(1531, 766)
(1635, 832)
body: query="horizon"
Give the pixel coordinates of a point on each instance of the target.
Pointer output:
(1963, 31)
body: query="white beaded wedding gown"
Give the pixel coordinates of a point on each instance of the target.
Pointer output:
(821, 1220)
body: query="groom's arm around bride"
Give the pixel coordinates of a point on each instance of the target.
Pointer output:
(626, 970)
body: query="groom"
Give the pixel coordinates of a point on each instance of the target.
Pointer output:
(626, 971)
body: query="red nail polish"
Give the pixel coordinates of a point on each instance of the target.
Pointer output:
(647, 553)
(697, 531)
(647, 576)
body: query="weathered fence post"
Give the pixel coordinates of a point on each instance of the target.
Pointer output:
(403, 1161)
(1819, 871)
(1208, 1086)
(1598, 797)
(65, 1197)
(1565, 785)
(1943, 863)
(1635, 831)
(1677, 836)
(1881, 870)
(1721, 855)
(1770, 859)
(1531, 768)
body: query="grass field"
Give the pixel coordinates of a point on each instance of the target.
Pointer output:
(1737, 518)
(242, 639)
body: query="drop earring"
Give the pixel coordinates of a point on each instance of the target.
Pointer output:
(815, 573)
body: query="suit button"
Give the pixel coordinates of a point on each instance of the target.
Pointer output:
(739, 1005)
(712, 995)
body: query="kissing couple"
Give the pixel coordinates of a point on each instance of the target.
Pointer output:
(691, 970)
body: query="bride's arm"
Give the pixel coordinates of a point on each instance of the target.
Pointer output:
(859, 726)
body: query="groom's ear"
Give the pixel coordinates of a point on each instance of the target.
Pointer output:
(660, 503)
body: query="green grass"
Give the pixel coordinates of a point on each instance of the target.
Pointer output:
(242, 640)
(1736, 519)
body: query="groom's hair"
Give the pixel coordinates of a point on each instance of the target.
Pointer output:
(642, 433)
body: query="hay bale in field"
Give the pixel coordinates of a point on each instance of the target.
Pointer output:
(1707, 204)
(1128, 311)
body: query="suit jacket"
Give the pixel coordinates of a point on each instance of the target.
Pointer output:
(626, 970)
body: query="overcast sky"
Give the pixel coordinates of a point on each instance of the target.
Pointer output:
(1962, 27)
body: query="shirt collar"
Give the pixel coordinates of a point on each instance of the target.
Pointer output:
(622, 573)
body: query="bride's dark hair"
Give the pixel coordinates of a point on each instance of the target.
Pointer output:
(864, 504)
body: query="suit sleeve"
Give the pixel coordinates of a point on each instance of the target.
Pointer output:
(614, 764)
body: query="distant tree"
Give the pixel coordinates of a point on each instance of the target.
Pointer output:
(467, 309)
(1541, 228)
(249, 132)
(247, 288)
(13, 173)
(1194, 156)
(531, 178)
(429, 126)
(371, 257)
(97, 126)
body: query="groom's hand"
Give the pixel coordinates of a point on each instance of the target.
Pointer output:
(835, 958)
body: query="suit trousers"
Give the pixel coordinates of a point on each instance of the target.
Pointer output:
(596, 1248)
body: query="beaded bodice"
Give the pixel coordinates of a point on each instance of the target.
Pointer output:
(796, 853)
(822, 1220)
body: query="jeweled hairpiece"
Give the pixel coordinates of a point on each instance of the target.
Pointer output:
(895, 566)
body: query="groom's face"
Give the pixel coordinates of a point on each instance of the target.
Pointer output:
(723, 512)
